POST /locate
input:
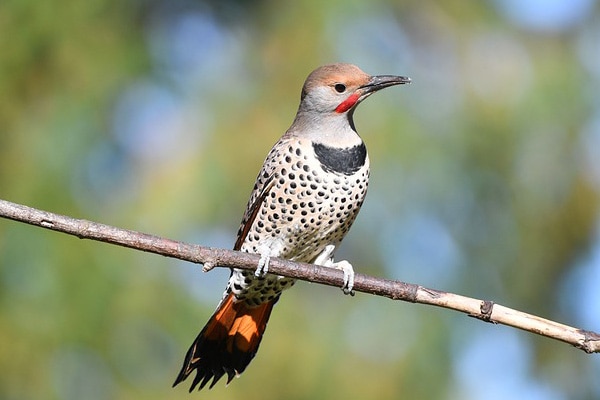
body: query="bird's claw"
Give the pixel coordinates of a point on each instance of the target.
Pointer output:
(346, 267)
(208, 266)
(263, 265)
(325, 259)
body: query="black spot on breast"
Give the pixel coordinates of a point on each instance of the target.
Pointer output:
(344, 161)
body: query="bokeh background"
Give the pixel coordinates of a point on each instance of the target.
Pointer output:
(156, 115)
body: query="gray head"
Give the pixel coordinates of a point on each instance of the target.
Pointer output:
(339, 88)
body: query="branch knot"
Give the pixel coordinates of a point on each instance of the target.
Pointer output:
(485, 311)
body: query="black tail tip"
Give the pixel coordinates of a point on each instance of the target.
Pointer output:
(204, 376)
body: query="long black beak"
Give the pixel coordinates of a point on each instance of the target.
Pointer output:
(382, 81)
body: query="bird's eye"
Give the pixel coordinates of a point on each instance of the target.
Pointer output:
(340, 87)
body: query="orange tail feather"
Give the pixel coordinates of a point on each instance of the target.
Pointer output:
(227, 343)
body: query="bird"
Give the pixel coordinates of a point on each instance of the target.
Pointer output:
(305, 198)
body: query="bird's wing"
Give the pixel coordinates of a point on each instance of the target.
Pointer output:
(252, 210)
(264, 183)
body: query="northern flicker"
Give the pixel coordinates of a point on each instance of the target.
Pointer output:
(306, 196)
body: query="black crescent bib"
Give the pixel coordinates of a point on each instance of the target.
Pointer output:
(344, 161)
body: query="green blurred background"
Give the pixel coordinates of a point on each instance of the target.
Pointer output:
(156, 115)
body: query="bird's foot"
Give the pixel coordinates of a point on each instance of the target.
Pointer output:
(208, 266)
(325, 259)
(263, 264)
(268, 249)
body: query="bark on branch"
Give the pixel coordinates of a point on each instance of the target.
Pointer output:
(210, 257)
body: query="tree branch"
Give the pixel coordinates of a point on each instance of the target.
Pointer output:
(214, 257)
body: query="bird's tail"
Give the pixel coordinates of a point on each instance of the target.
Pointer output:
(227, 343)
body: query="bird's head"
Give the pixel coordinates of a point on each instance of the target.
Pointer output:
(339, 88)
